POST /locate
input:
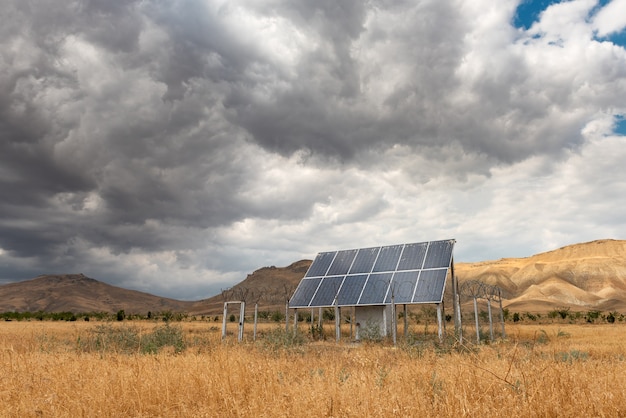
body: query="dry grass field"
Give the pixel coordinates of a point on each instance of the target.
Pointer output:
(74, 369)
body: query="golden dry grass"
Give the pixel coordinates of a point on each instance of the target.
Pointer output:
(540, 371)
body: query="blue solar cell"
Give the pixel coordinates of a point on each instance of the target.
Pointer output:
(320, 264)
(342, 262)
(413, 273)
(413, 256)
(402, 286)
(430, 286)
(351, 290)
(375, 289)
(304, 293)
(364, 260)
(439, 254)
(388, 258)
(328, 289)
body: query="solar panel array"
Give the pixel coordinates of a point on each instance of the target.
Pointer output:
(411, 273)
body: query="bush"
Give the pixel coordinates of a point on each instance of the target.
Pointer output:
(279, 338)
(128, 340)
(278, 316)
(317, 332)
(165, 336)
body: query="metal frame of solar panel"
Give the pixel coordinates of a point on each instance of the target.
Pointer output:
(410, 273)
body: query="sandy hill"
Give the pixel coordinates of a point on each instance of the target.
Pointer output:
(582, 276)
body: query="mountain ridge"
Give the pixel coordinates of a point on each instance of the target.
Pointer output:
(582, 276)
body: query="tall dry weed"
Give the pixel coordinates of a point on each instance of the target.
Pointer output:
(575, 370)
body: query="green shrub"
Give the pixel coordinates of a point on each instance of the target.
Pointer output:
(279, 338)
(129, 340)
(164, 336)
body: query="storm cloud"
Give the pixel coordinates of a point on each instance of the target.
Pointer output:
(175, 146)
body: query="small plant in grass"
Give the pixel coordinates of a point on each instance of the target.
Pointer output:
(317, 332)
(277, 316)
(572, 356)
(164, 336)
(278, 338)
(371, 331)
(128, 340)
(106, 338)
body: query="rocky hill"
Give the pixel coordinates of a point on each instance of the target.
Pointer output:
(80, 294)
(588, 276)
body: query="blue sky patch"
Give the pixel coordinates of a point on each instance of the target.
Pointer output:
(620, 125)
(616, 38)
(528, 12)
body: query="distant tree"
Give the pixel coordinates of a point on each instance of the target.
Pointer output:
(121, 315)
(610, 318)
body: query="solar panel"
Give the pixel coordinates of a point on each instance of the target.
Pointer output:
(408, 273)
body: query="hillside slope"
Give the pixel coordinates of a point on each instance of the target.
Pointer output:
(582, 276)
(78, 293)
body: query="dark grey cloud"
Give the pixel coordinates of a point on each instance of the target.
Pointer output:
(195, 140)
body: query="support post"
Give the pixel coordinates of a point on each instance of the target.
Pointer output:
(490, 319)
(242, 317)
(295, 320)
(337, 323)
(457, 318)
(224, 320)
(456, 302)
(476, 318)
(501, 313)
(287, 316)
(319, 318)
(440, 322)
(406, 323)
(256, 317)
(394, 322)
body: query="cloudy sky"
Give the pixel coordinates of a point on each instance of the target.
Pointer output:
(176, 146)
